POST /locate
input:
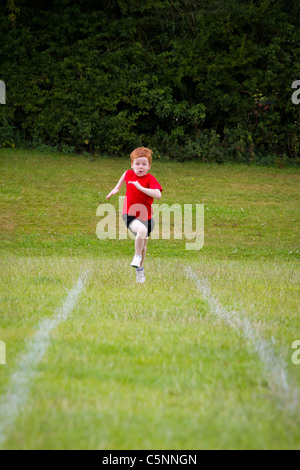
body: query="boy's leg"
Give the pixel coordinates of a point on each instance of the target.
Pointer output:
(140, 273)
(141, 236)
(144, 251)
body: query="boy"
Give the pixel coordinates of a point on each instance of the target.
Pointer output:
(141, 188)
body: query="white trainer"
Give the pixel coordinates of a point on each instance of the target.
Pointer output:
(140, 277)
(136, 262)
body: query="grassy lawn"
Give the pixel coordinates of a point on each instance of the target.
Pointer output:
(150, 366)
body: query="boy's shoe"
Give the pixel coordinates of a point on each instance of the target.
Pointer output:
(136, 262)
(140, 277)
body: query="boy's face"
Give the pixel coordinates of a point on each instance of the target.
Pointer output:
(140, 166)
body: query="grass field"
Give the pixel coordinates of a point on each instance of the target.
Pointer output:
(199, 357)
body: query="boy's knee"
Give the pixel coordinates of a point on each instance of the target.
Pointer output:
(139, 229)
(142, 232)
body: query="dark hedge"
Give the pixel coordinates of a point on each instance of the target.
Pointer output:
(208, 80)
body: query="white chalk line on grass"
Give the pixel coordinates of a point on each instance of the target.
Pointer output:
(14, 400)
(274, 365)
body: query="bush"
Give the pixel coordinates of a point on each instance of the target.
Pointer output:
(205, 80)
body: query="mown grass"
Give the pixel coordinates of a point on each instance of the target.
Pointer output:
(149, 366)
(48, 206)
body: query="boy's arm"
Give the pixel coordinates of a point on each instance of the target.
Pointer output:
(117, 187)
(155, 193)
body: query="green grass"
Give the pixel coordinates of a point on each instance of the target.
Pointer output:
(149, 366)
(48, 206)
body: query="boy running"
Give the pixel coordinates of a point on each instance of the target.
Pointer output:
(141, 188)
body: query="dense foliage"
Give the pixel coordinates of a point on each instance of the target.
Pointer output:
(201, 79)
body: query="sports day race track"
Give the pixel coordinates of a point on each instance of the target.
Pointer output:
(195, 325)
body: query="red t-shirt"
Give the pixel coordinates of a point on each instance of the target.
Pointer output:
(136, 203)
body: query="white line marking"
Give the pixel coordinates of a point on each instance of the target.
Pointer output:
(15, 398)
(274, 365)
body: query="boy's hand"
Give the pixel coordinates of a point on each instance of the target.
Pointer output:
(136, 184)
(114, 191)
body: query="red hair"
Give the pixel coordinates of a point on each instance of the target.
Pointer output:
(142, 152)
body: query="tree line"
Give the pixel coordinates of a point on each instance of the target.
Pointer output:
(192, 79)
